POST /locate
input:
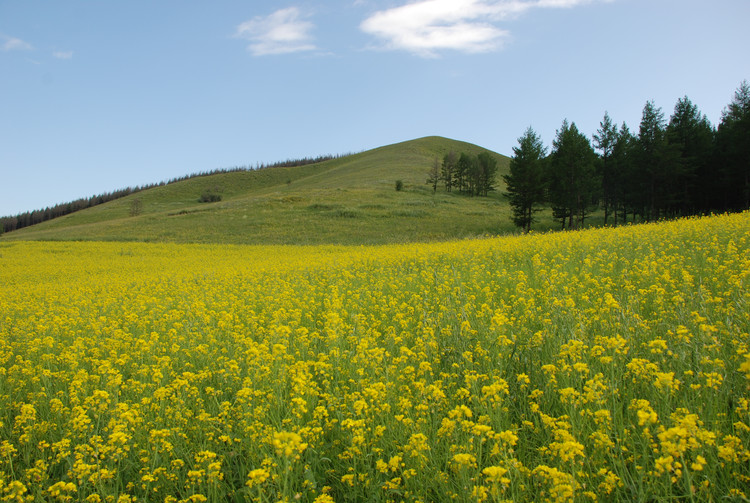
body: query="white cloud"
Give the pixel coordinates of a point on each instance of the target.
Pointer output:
(282, 32)
(13, 44)
(63, 54)
(425, 27)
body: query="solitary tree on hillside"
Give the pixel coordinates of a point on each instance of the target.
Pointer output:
(525, 181)
(136, 207)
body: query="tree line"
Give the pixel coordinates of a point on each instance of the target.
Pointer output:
(466, 173)
(28, 218)
(668, 168)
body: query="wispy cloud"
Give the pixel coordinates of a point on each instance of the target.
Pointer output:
(13, 44)
(282, 32)
(426, 27)
(63, 54)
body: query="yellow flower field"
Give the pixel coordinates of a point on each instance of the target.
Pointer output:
(601, 365)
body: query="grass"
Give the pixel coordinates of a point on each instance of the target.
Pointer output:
(350, 200)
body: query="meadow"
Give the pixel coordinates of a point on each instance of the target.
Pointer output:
(597, 365)
(349, 201)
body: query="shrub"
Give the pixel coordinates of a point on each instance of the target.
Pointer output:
(399, 185)
(210, 197)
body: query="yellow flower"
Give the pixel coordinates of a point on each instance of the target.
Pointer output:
(496, 475)
(257, 477)
(745, 366)
(699, 463)
(417, 446)
(464, 460)
(288, 444)
(60, 490)
(348, 479)
(15, 491)
(663, 464)
(508, 437)
(324, 498)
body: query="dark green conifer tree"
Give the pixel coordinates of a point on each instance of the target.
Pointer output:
(604, 141)
(572, 181)
(624, 181)
(658, 164)
(692, 135)
(733, 150)
(525, 182)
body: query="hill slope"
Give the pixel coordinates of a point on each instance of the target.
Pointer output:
(349, 200)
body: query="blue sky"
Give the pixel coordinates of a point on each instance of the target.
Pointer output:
(97, 96)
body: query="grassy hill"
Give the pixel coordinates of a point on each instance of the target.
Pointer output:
(349, 200)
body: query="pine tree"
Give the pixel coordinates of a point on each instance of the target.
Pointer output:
(626, 185)
(573, 185)
(733, 145)
(692, 135)
(658, 163)
(604, 141)
(525, 183)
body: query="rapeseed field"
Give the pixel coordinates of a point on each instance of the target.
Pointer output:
(602, 365)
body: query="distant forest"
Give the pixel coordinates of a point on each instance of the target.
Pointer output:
(26, 219)
(667, 169)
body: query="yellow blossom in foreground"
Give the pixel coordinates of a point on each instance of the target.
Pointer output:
(288, 444)
(257, 477)
(462, 460)
(496, 475)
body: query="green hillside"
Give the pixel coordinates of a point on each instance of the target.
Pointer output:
(349, 200)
